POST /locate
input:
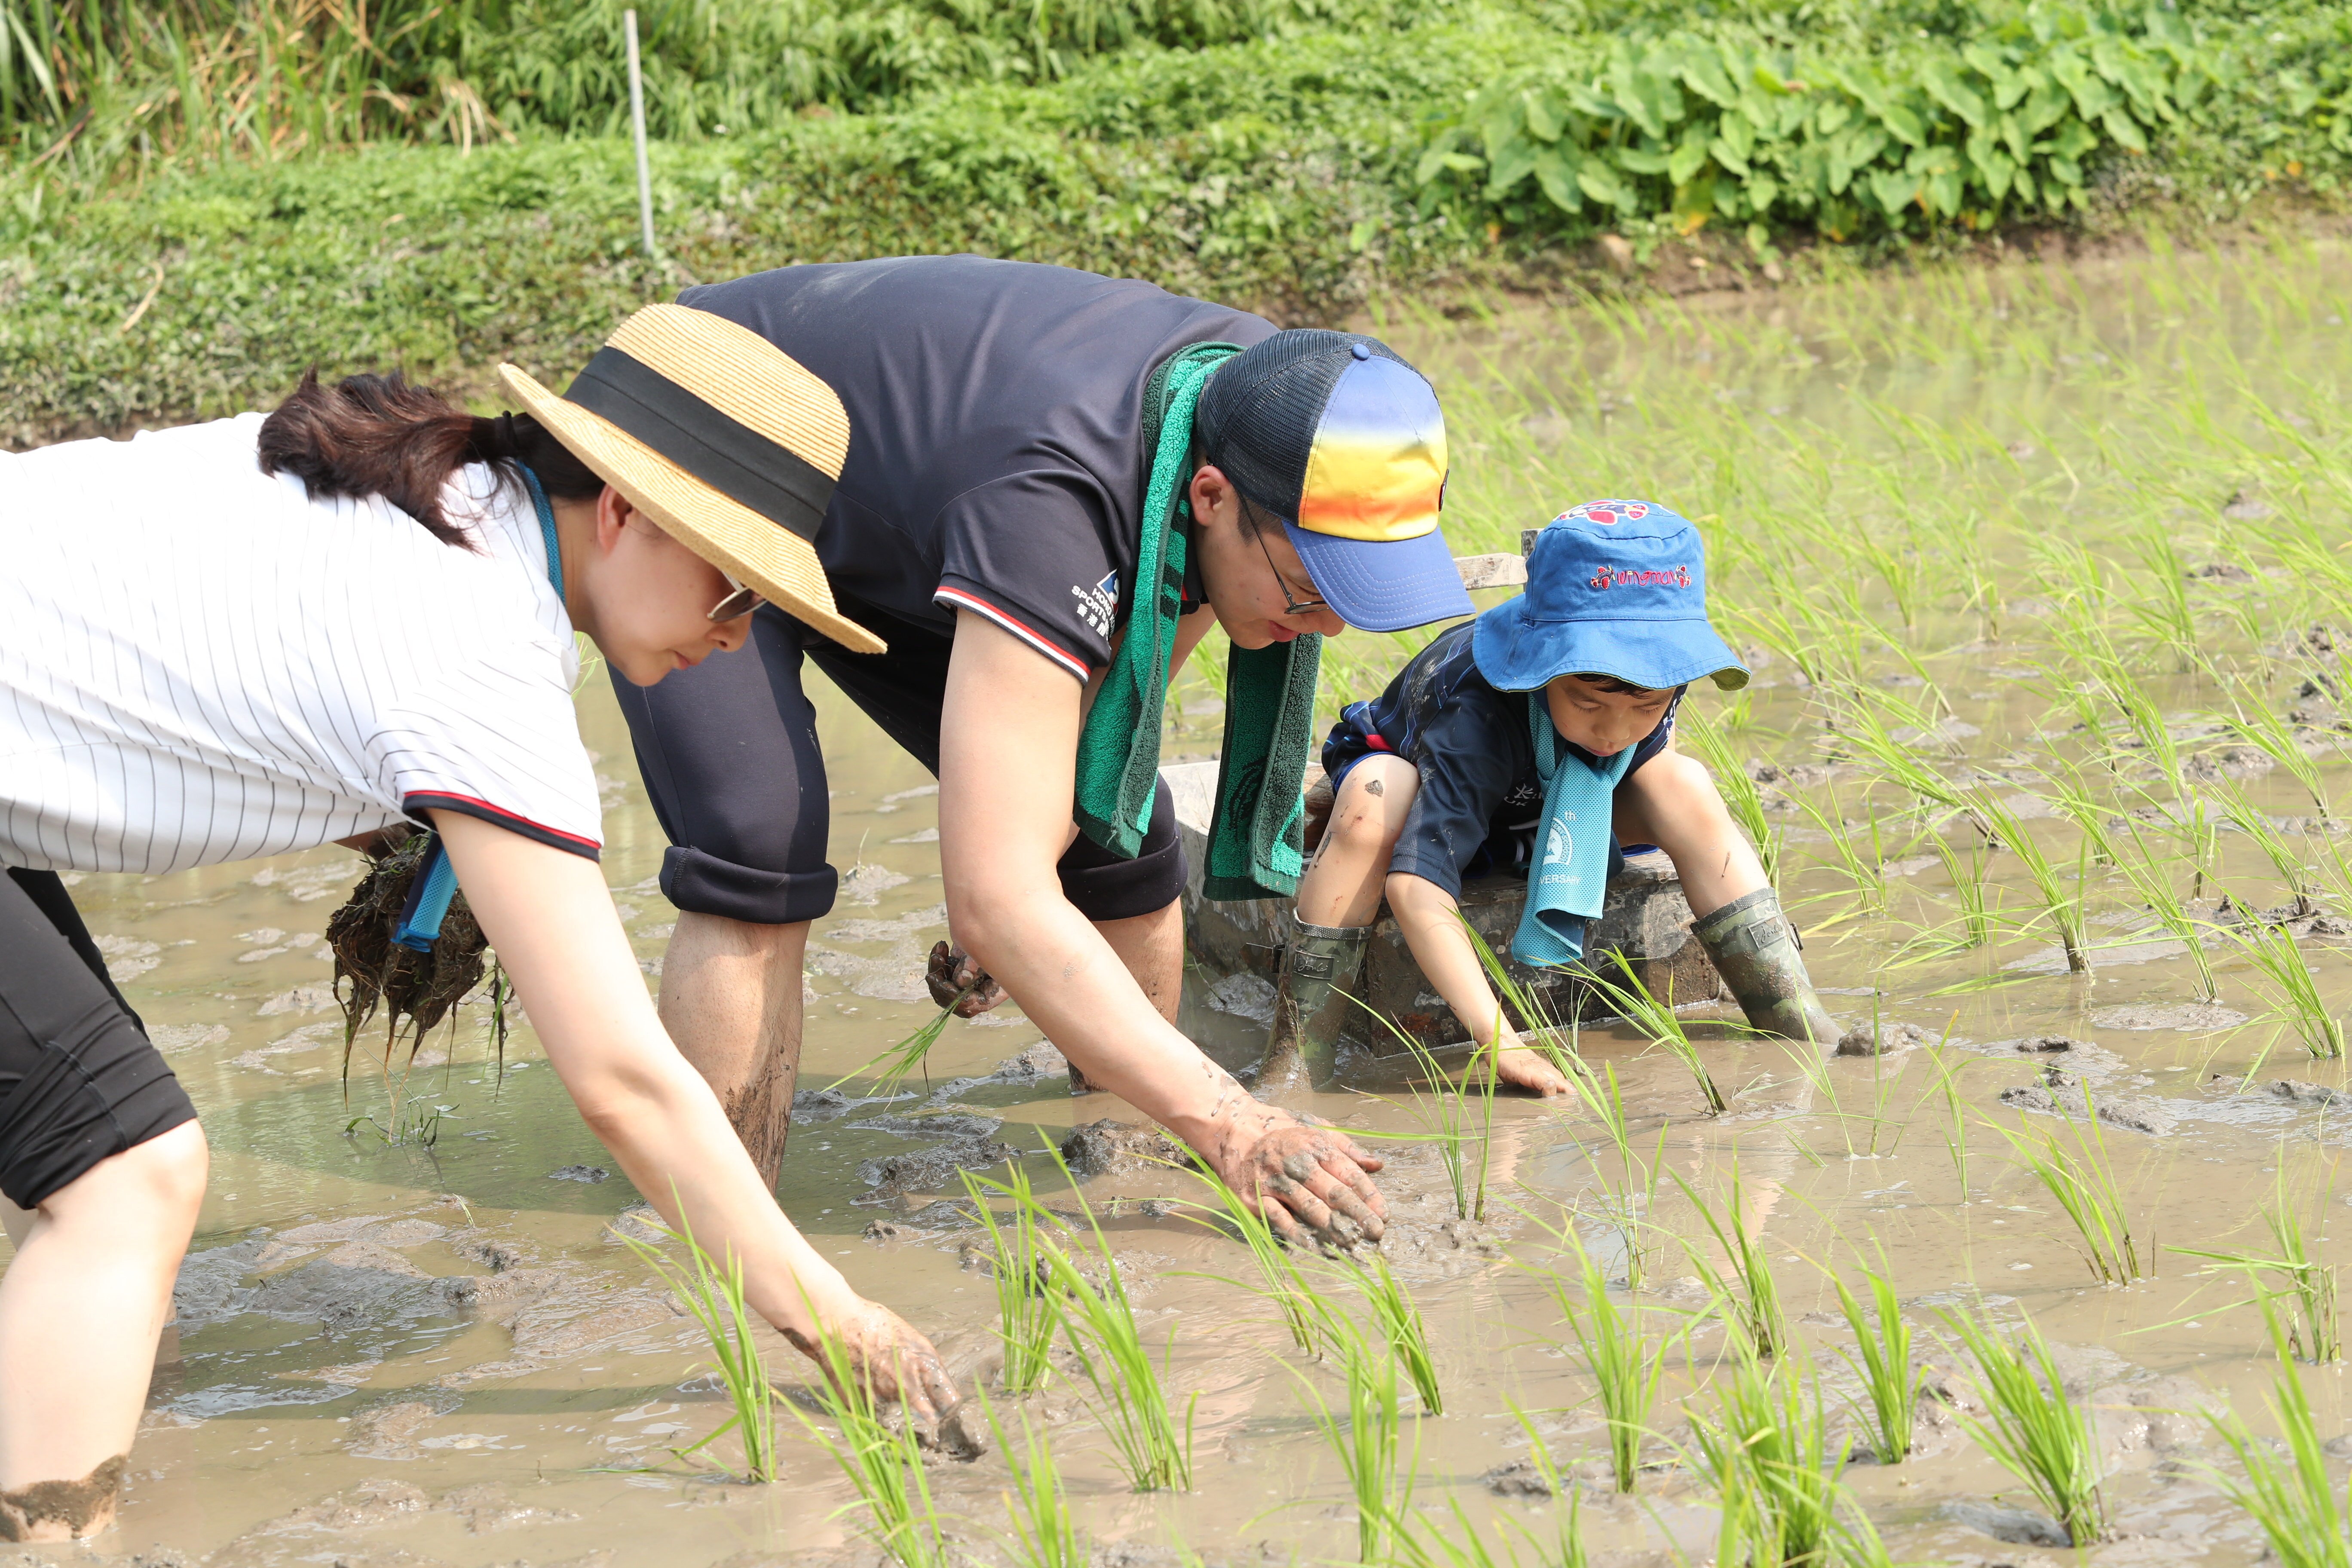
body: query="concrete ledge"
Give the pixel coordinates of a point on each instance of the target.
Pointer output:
(1644, 917)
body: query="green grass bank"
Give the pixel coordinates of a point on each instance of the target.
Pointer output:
(195, 257)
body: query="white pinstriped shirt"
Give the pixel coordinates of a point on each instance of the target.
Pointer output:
(198, 663)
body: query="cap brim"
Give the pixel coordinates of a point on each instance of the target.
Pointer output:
(778, 563)
(1383, 585)
(1516, 652)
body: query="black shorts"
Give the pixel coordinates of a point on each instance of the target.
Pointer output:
(79, 1080)
(728, 752)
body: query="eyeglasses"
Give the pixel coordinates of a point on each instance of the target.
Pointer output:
(742, 601)
(1291, 604)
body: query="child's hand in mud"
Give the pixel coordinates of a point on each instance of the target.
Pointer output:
(1523, 1067)
(890, 1356)
(1312, 1183)
(959, 984)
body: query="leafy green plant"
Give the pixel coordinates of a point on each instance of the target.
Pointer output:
(891, 1067)
(2062, 904)
(1304, 1311)
(2031, 1428)
(883, 1464)
(1740, 792)
(1393, 1309)
(1748, 1298)
(1152, 1448)
(1769, 1446)
(1883, 1355)
(1366, 1441)
(2083, 1181)
(1045, 1531)
(2291, 1494)
(713, 1296)
(2277, 957)
(1028, 1314)
(1626, 1365)
(1631, 1001)
(2312, 1332)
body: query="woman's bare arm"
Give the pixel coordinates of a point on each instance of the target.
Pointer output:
(548, 913)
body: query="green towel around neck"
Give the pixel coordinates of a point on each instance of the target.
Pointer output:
(1256, 837)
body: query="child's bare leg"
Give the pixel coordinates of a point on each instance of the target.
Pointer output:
(1671, 802)
(1338, 896)
(1343, 887)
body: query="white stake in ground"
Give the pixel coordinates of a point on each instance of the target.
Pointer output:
(638, 125)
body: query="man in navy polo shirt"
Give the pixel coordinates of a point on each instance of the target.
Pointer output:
(986, 528)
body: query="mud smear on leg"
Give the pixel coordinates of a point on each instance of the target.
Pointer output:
(63, 1510)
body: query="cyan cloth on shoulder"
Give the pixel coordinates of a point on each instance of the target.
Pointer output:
(1256, 838)
(1568, 876)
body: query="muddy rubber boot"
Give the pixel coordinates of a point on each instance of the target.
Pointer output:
(1755, 951)
(1312, 1000)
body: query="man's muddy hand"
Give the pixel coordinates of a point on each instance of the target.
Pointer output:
(959, 984)
(1312, 1183)
(885, 1353)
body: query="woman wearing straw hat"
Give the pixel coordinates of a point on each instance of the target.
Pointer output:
(200, 662)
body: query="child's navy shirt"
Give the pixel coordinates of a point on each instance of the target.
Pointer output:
(1480, 801)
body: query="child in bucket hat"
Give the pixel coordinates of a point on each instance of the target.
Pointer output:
(1533, 739)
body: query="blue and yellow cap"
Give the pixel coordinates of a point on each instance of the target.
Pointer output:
(1338, 435)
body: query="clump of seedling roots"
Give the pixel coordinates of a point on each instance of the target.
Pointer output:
(415, 990)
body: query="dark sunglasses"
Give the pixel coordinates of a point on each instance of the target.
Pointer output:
(742, 601)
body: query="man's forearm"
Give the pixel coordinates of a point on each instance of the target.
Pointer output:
(1432, 924)
(1071, 983)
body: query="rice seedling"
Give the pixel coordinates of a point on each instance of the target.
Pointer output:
(1151, 1448)
(1956, 1121)
(2265, 730)
(1045, 1532)
(891, 1067)
(713, 1295)
(1749, 1298)
(1028, 1315)
(2286, 855)
(2312, 1330)
(2083, 1181)
(1453, 1125)
(1367, 1440)
(1393, 1307)
(1626, 1365)
(1864, 868)
(2062, 905)
(2288, 1488)
(1883, 1355)
(2296, 997)
(2031, 1428)
(1632, 1002)
(1537, 1026)
(1973, 889)
(883, 1464)
(1304, 1312)
(1567, 1548)
(2152, 884)
(1769, 1446)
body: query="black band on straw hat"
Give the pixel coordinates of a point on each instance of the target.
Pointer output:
(729, 457)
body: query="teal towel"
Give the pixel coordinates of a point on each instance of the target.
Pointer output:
(1256, 836)
(1570, 874)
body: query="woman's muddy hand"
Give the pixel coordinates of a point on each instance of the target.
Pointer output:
(1312, 1183)
(888, 1355)
(961, 985)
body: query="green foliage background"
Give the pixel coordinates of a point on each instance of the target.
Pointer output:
(182, 232)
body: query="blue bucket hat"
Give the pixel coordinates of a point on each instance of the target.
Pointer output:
(1616, 588)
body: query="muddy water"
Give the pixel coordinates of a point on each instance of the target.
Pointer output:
(396, 1352)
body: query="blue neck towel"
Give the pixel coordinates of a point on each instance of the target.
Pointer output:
(437, 883)
(1570, 874)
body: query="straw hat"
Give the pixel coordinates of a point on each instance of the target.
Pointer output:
(722, 439)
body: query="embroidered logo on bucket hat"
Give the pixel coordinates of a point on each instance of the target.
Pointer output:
(1339, 437)
(1616, 588)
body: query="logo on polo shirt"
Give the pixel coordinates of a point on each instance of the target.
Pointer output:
(1627, 577)
(1098, 605)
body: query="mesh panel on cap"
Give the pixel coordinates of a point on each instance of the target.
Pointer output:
(1258, 414)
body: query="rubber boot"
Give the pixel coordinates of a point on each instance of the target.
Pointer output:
(1313, 997)
(1755, 951)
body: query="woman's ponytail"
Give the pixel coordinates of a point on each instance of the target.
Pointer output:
(379, 435)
